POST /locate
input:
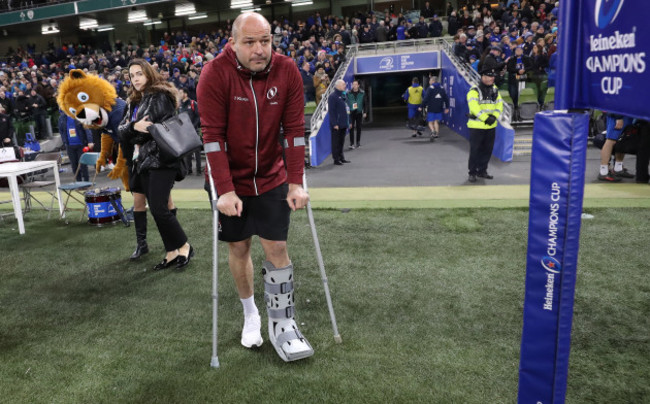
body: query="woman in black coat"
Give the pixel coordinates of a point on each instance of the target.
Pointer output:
(540, 63)
(152, 100)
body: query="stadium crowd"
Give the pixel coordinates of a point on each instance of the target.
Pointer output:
(520, 36)
(317, 45)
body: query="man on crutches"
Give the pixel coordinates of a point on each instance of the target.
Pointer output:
(249, 93)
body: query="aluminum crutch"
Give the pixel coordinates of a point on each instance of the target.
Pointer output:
(214, 362)
(321, 266)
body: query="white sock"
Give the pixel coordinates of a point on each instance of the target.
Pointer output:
(249, 306)
(618, 166)
(604, 168)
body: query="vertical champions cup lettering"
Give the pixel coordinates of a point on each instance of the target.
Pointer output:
(549, 262)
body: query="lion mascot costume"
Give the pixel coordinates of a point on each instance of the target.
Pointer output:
(94, 102)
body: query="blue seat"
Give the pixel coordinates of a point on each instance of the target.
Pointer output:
(77, 187)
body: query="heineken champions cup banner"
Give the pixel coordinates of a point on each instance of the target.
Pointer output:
(606, 49)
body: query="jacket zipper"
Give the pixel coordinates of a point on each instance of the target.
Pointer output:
(257, 133)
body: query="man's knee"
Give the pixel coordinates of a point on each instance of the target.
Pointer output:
(240, 249)
(276, 247)
(276, 251)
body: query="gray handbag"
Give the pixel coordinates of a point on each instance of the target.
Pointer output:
(175, 137)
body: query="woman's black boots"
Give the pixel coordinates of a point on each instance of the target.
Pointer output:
(140, 220)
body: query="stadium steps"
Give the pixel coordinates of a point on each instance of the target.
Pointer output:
(523, 145)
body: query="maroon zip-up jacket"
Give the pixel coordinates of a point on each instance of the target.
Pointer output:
(241, 116)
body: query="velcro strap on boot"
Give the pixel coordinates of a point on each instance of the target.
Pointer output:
(288, 336)
(278, 288)
(281, 314)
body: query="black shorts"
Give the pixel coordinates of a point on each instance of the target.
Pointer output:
(266, 215)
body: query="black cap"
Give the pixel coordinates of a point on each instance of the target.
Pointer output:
(490, 67)
(489, 72)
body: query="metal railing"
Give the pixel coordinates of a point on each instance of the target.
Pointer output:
(392, 47)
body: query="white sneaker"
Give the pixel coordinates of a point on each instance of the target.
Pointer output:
(110, 166)
(251, 334)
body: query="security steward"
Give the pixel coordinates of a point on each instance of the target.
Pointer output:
(485, 106)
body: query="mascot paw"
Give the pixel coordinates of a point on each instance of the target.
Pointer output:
(117, 172)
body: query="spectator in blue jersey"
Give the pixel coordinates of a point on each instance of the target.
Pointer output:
(285, 40)
(495, 36)
(506, 47)
(435, 101)
(401, 30)
(513, 33)
(75, 137)
(176, 77)
(472, 49)
(473, 61)
(556, 10)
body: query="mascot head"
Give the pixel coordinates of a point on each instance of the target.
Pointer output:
(86, 98)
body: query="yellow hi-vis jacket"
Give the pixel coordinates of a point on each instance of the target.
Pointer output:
(480, 108)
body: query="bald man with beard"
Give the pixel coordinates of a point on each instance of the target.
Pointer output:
(249, 92)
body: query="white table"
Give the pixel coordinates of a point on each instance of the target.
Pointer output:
(11, 171)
